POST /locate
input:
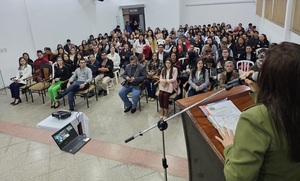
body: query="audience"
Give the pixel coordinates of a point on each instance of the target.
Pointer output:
(228, 74)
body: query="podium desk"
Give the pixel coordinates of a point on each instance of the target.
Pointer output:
(54, 124)
(204, 152)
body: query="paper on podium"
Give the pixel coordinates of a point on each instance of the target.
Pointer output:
(222, 114)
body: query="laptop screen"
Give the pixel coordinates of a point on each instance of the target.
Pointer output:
(63, 136)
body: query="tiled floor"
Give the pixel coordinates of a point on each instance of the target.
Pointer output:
(29, 153)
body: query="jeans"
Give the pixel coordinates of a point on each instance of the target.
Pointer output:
(151, 88)
(71, 92)
(135, 96)
(15, 90)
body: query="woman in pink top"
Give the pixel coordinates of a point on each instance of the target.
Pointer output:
(167, 85)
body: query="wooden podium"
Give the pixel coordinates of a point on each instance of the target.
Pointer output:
(205, 153)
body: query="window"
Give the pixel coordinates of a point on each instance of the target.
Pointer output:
(275, 11)
(296, 17)
(279, 12)
(259, 4)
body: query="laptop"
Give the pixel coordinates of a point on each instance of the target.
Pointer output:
(68, 139)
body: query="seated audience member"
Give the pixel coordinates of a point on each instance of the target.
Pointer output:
(263, 41)
(69, 62)
(24, 71)
(260, 59)
(223, 45)
(152, 41)
(265, 145)
(93, 64)
(124, 55)
(248, 55)
(142, 60)
(198, 42)
(210, 42)
(72, 54)
(115, 58)
(184, 72)
(161, 54)
(239, 48)
(228, 74)
(68, 46)
(27, 58)
(80, 80)
(168, 45)
(224, 58)
(134, 75)
(210, 65)
(105, 73)
(153, 71)
(207, 52)
(37, 65)
(199, 79)
(139, 45)
(61, 74)
(181, 48)
(49, 55)
(167, 85)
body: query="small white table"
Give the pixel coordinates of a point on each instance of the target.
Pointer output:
(54, 124)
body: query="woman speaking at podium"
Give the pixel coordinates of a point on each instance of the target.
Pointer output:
(266, 144)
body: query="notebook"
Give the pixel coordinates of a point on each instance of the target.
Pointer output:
(68, 139)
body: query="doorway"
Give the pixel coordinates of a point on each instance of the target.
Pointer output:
(135, 18)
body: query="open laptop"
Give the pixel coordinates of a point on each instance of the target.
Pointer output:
(68, 139)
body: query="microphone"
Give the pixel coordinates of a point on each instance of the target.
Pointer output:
(239, 81)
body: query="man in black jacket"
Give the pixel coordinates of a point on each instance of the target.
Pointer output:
(105, 70)
(125, 54)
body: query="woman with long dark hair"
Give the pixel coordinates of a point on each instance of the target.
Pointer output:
(199, 79)
(266, 143)
(167, 86)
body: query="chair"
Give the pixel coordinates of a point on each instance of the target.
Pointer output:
(85, 92)
(143, 93)
(181, 60)
(40, 87)
(172, 98)
(117, 75)
(196, 49)
(244, 66)
(29, 82)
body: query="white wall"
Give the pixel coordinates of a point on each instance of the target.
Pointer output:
(228, 11)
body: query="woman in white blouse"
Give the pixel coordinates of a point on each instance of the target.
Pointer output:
(114, 57)
(24, 71)
(139, 45)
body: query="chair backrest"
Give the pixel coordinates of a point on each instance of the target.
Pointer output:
(196, 49)
(244, 65)
(181, 60)
(46, 71)
(53, 68)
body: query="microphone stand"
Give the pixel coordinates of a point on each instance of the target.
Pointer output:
(163, 125)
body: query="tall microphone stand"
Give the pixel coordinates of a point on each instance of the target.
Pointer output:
(163, 125)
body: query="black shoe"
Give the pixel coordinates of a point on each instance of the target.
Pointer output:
(105, 93)
(13, 102)
(52, 106)
(91, 94)
(56, 106)
(71, 109)
(16, 103)
(59, 96)
(133, 111)
(128, 109)
(100, 92)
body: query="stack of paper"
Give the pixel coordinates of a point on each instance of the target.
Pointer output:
(222, 114)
